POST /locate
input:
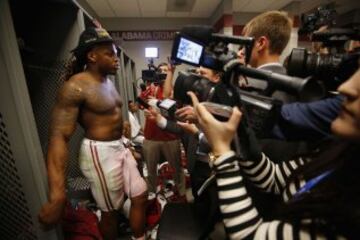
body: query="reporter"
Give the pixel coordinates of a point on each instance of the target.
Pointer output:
(320, 200)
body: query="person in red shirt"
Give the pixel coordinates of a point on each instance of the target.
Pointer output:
(159, 143)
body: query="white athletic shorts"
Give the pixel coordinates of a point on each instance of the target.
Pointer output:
(111, 170)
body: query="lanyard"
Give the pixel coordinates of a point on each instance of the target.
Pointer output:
(312, 183)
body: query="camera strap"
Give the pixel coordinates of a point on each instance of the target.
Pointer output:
(207, 183)
(311, 184)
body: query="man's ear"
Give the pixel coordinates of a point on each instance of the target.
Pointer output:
(262, 43)
(217, 78)
(91, 56)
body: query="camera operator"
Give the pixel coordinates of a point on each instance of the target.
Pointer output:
(320, 200)
(206, 204)
(271, 31)
(159, 142)
(187, 113)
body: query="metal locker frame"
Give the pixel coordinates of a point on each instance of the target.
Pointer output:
(129, 80)
(21, 131)
(120, 83)
(133, 79)
(124, 80)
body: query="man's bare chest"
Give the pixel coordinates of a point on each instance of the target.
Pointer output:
(102, 98)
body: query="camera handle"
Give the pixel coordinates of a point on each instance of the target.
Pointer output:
(245, 142)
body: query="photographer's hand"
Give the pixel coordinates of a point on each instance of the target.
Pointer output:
(188, 127)
(219, 134)
(186, 113)
(152, 114)
(168, 84)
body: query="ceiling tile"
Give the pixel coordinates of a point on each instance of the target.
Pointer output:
(199, 14)
(125, 8)
(180, 5)
(206, 5)
(280, 4)
(153, 14)
(101, 7)
(152, 5)
(239, 5)
(177, 14)
(259, 5)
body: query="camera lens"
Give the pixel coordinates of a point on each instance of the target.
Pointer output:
(191, 82)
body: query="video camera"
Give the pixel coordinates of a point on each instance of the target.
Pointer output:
(323, 16)
(152, 74)
(199, 46)
(167, 107)
(333, 68)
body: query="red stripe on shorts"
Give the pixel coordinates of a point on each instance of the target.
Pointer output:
(99, 176)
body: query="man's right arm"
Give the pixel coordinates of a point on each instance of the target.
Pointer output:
(307, 121)
(168, 84)
(62, 126)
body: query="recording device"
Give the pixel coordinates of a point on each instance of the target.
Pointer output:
(167, 108)
(152, 74)
(188, 50)
(214, 54)
(313, 21)
(218, 109)
(199, 46)
(142, 102)
(331, 69)
(188, 81)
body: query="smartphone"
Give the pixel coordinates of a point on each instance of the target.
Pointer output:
(218, 109)
(142, 102)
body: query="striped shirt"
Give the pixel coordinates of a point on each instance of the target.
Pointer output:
(241, 218)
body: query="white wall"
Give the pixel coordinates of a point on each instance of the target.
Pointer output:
(113, 24)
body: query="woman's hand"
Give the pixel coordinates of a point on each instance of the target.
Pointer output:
(219, 134)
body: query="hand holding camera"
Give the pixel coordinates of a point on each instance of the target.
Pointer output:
(219, 134)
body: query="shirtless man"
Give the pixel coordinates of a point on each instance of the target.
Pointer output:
(90, 98)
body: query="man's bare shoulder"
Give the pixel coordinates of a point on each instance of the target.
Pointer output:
(74, 88)
(80, 79)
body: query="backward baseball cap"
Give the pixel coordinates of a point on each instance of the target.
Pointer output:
(91, 37)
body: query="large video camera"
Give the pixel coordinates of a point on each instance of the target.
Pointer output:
(331, 68)
(323, 16)
(199, 46)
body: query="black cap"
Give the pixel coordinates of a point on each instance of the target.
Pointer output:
(90, 37)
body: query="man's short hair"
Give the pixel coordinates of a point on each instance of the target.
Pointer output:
(275, 25)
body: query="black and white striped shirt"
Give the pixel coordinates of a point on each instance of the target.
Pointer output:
(240, 217)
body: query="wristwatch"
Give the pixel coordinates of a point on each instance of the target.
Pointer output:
(212, 158)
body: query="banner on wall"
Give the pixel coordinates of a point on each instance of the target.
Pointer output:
(147, 35)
